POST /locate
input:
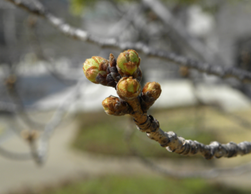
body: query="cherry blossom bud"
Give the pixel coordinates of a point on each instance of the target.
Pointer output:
(128, 88)
(149, 95)
(152, 89)
(115, 106)
(128, 62)
(95, 69)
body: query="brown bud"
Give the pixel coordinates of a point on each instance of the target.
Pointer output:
(150, 94)
(128, 88)
(11, 81)
(152, 89)
(184, 71)
(113, 69)
(115, 106)
(29, 136)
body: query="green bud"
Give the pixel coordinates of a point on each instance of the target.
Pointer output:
(128, 62)
(128, 88)
(95, 66)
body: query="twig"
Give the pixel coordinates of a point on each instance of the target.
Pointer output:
(136, 102)
(55, 121)
(132, 16)
(11, 87)
(9, 107)
(179, 32)
(218, 70)
(179, 145)
(212, 173)
(40, 52)
(117, 29)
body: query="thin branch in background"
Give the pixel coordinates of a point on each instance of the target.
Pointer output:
(39, 142)
(117, 29)
(31, 137)
(10, 81)
(131, 17)
(60, 25)
(21, 111)
(179, 32)
(43, 141)
(35, 152)
(199, 113)
(36, 44)
(11, 87)
(8, 107)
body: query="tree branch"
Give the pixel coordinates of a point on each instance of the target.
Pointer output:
(173, 143)
(139, 101)
(218, 70)
(43, 141)
(179, 32)
(182, 146)
(210, 173)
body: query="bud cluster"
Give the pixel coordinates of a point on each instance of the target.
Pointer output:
(123, 74)
(101, 71)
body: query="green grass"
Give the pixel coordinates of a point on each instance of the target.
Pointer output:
(144, 185)
(105, 134)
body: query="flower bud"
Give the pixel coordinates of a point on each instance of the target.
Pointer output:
(149, 95)
(29, 135)
(152, 89)
(10, 82)
(128, 88)
(94, 68)
(128, 62)
(115, 106)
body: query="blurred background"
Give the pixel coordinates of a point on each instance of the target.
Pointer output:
(55, 137)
